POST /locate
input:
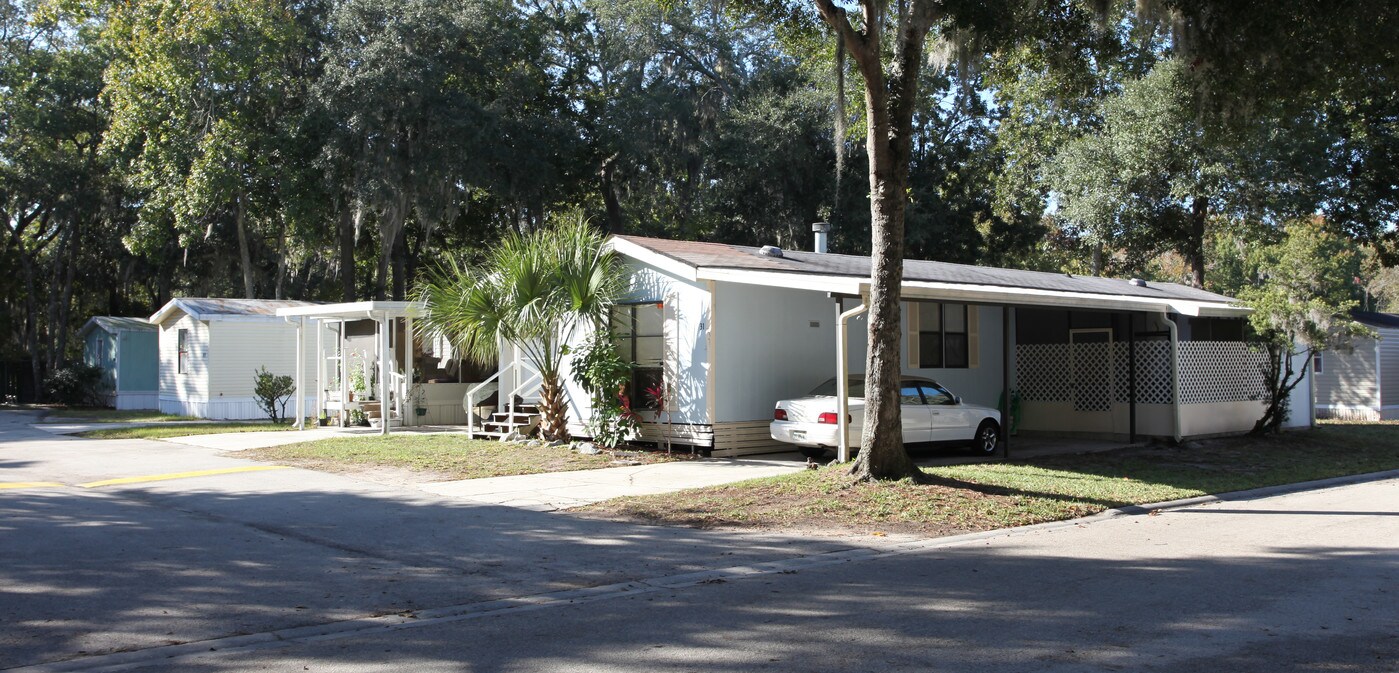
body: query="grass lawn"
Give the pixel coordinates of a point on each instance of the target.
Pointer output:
(104, 415)
(965, 498)
(442, 456)
(182, 430)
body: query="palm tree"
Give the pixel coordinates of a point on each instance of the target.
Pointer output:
(532, 290)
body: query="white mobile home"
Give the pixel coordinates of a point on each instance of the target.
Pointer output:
(210, 350)
(732, 329)
(1361, 383)
(126, 351)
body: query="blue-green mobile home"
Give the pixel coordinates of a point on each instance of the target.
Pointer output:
(127, 350)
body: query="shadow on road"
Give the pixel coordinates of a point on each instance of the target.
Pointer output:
(86, 573)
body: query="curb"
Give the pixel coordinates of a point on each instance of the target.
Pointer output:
(1251, 494)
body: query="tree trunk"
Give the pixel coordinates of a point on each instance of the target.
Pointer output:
(1281, 381)
(1195, 246)
(245, 254)
(609, 196)
(890, 100)
(347, 254)
(400, 255)
(554, 418)
(65, 305)
(279, 287)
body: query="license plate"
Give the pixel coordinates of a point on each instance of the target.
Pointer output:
(799, 434)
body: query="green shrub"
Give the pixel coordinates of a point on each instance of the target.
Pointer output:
(601, 371)
(77, 385)
(273, 392)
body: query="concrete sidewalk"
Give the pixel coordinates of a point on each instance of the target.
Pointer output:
(562, 490)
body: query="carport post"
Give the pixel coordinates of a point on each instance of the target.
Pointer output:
(319, 325)
(300, 373)
(1131, 380)
(385, 357)
(1005, 380)
(843, 380)
(409, 412)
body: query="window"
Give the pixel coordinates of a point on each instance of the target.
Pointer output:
(638, 330)
(908, 394)
(936, 395)
(1316, 363)
(943, 340)
(182, 352)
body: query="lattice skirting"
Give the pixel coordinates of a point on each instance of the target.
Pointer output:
(1091, 375)
(1220, 371)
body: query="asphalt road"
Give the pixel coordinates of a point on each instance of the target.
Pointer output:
(289, 570)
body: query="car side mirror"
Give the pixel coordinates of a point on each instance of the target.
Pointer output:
(956, 399)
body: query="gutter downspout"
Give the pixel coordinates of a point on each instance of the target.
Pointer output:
(1175, 376)
(843, 381)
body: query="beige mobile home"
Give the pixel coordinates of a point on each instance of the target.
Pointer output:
(727, 331)
(210, 350)
(1361, 383)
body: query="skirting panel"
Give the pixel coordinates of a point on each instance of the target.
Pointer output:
(224, 408)
(137, 400)
(744, 438)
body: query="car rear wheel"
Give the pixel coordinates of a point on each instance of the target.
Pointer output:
(987, 438)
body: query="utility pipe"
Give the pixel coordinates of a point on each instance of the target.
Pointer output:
(843, 381)
(1175, 376)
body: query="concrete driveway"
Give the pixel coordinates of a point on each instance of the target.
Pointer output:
(295, 570)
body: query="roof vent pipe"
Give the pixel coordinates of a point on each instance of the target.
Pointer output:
(1137, 282)
(770, 251)
(822, 229)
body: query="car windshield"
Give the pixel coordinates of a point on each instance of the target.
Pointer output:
(857, 387)
(828, 389)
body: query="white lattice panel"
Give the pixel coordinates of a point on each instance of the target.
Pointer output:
(1042, 372)
(1220, 371)
(1046, 373)
(1093, 376)
(1153, 372)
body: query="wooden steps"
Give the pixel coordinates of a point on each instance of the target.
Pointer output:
(374, 411)
(502, 423)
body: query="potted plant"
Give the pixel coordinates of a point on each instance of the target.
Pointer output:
(419, 397)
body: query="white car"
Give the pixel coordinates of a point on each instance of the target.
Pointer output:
(930, 414)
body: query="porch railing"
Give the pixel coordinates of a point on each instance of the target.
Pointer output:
(528, 385)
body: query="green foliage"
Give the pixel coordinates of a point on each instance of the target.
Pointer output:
(532, 291)
(77, 385)
(273, 392)
(1301, 301)
(598, 368)
(601, 371)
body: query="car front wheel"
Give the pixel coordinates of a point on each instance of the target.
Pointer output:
(988, 437)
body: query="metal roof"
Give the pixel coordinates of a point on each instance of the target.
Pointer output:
(354, 309)
(114, 324)
(1374, 319)
(746, 258)
(216, 308)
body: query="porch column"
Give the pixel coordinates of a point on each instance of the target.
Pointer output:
(300, 373)
(1131, 379)
(410, 412)
(1006, 336)
(344, 362)
(385, 357)
(320, 369)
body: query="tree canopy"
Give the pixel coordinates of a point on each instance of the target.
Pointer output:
(337, 149)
